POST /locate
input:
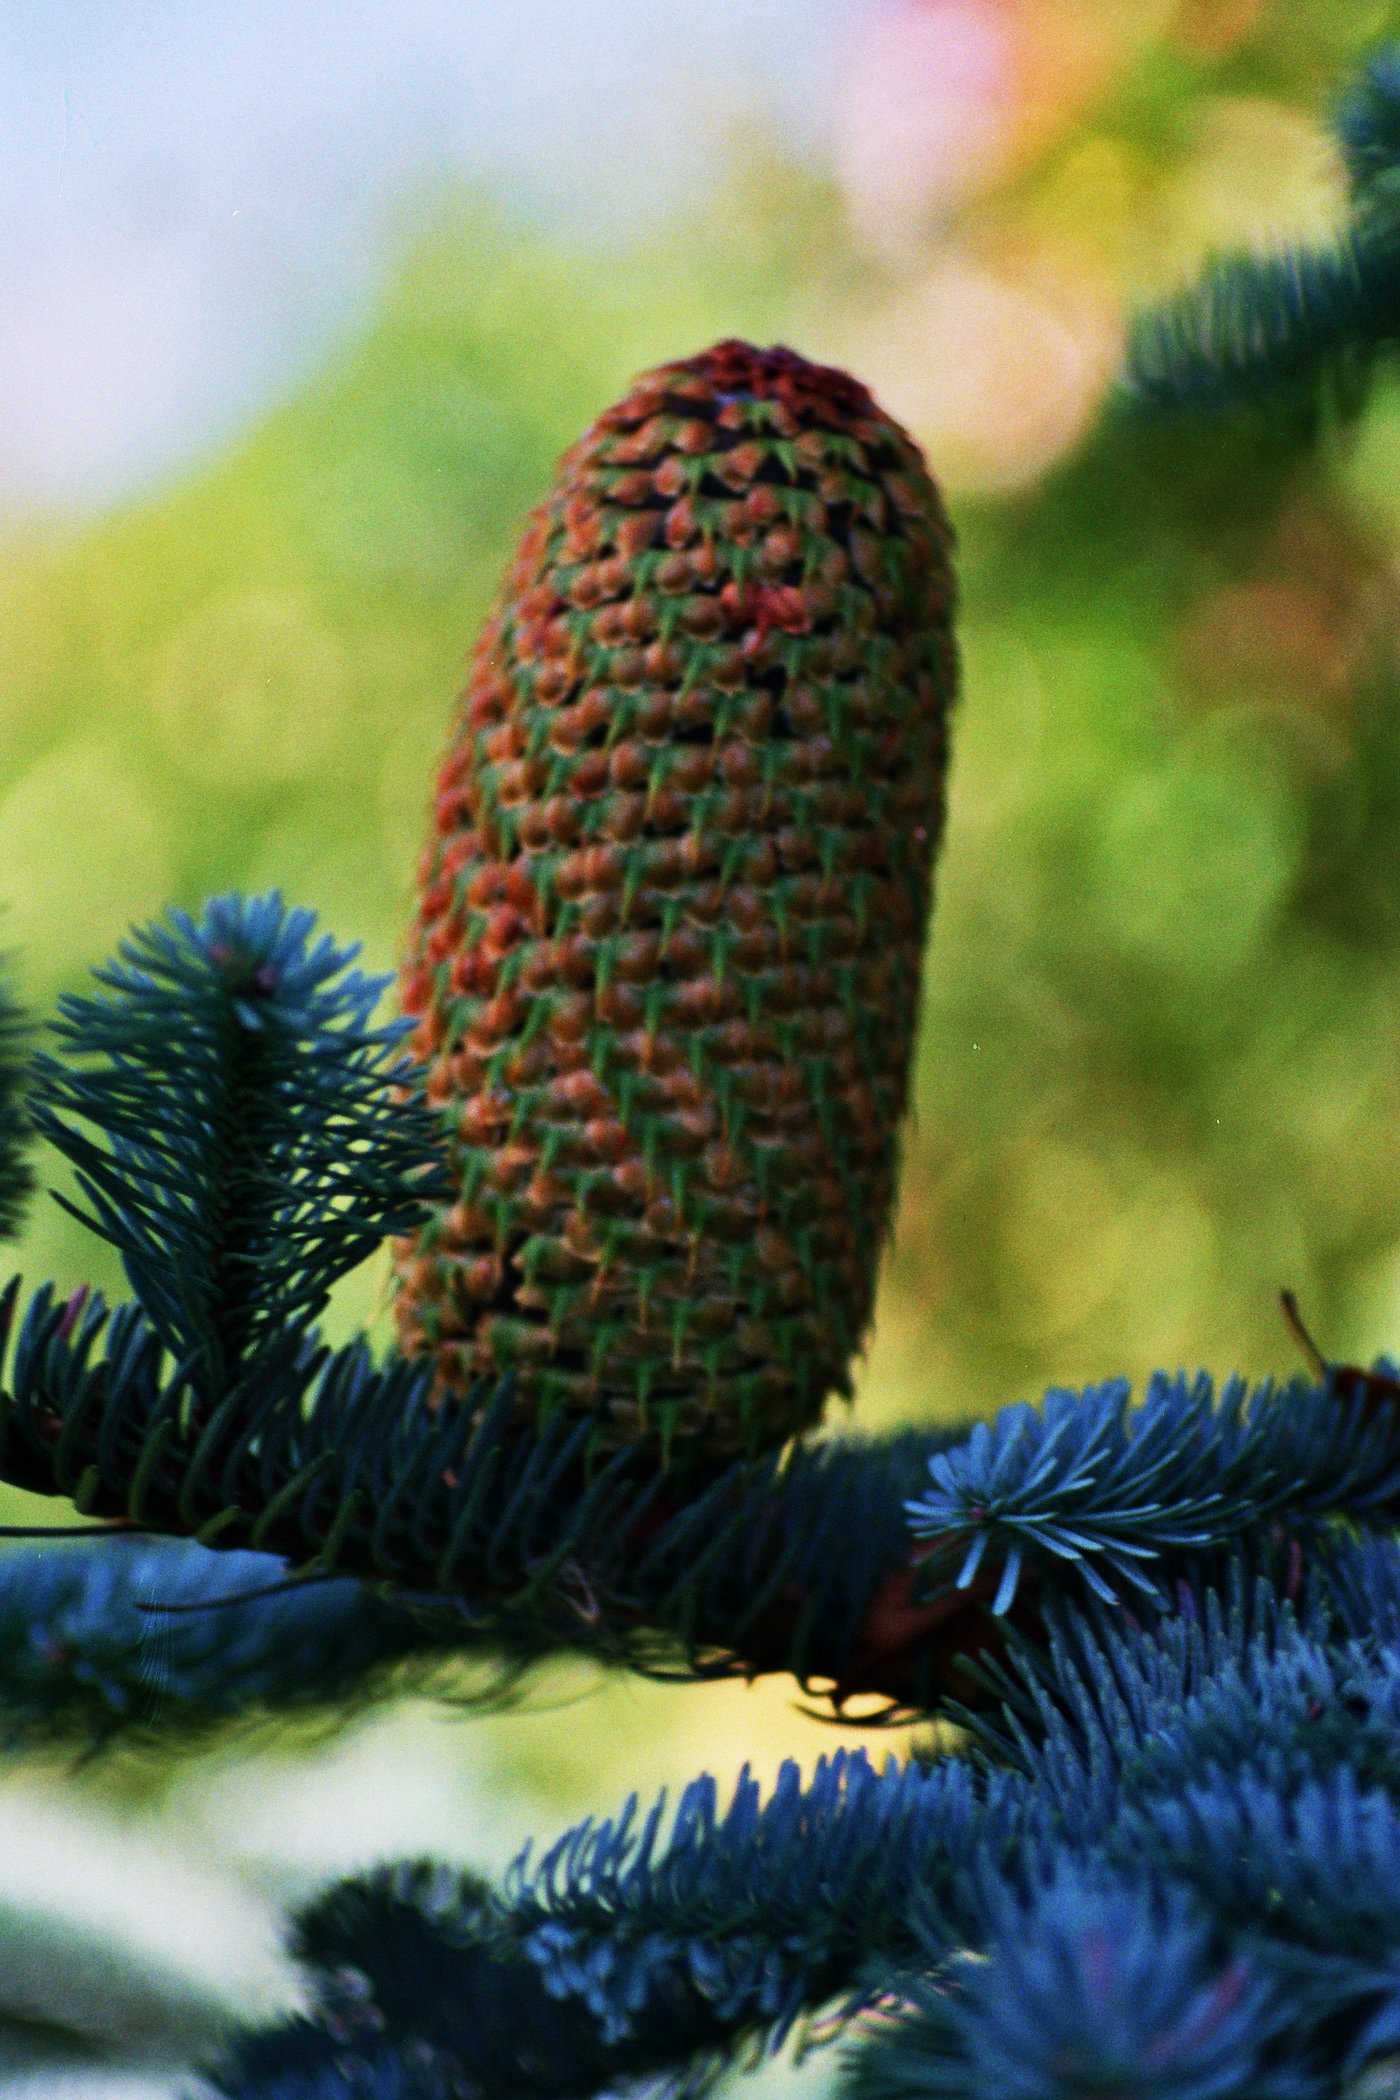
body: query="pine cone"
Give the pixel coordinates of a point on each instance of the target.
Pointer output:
(666, 966)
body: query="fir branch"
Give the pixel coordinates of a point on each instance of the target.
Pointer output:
(804, 1564)
(259, 1438)
(1183, 1886)
(255, 1136)
(106, 1641)
(338, 1464)
(625, 1953)
(16, 1175)
(1303, 331)
(828, 1873)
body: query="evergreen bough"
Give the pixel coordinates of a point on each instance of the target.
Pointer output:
(1303, 332)
(1164, 1859)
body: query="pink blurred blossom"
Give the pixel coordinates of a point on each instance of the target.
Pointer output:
(926, 112)
(940, 99)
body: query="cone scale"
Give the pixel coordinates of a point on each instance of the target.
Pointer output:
(673, 910)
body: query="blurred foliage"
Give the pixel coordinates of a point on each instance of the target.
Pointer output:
(1161, 1061)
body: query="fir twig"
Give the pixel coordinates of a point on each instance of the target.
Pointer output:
(255, 1138)
(1303, 331)
(1086, 1483)
(114, 1640)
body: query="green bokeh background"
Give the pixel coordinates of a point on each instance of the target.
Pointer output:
(1159, 1073)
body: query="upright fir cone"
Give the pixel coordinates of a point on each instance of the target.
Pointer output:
(673, 910)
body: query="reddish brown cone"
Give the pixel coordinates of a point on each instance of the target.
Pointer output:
(673, 910)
